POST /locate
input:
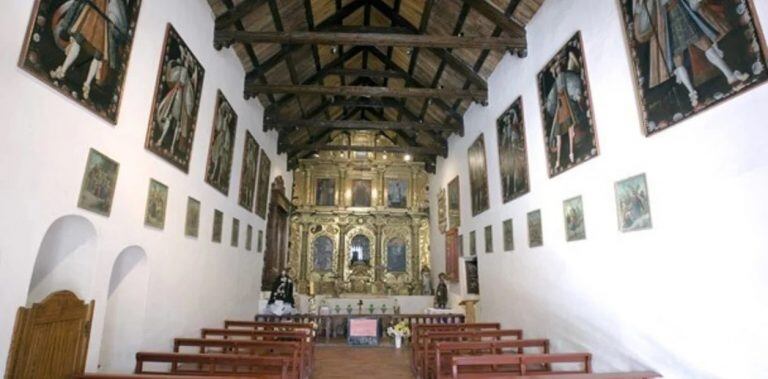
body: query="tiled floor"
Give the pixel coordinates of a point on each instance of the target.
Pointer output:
(344, 362)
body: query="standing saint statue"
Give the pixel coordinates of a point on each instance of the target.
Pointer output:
(441, 293)
(281, 298)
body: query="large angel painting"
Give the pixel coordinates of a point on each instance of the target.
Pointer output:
(688, 55)
(81, 48)
(219, 168)
(513, 154)
(569, 126)
(173, 117)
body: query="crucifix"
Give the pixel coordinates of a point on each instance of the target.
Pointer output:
(360, 307)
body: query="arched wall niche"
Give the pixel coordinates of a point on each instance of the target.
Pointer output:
(65, 259)
(124, 316)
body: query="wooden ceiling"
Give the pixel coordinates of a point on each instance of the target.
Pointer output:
(407, 69)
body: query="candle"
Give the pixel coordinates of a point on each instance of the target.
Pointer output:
(311, 288)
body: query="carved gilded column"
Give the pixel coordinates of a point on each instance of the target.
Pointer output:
(415, 251)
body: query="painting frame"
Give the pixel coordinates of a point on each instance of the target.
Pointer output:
(234, 239)
(573, 219)
(262, 185)
(109, 112)
(325, 192)
(478, 185)
(398, 199)
(650, 127)
(113, 169)
(513, 112)
(509, 235)
(218, 226)
(535, 229)
(472, 273)
(547, 82)
(488, 232)
(361, 190)
(192, 219)
(169, 96)
(454, 203)
(643, 181)
(219, 176)
(248, 171)
(157, 204)
(472, 244)
(249, 237)
(260, 242)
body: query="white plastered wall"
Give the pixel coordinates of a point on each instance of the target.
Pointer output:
(43, 148)
(686, 298)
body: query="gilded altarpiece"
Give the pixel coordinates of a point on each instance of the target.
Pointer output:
(378, 249)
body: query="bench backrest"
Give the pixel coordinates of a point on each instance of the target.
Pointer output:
(417, 332)
(520, 362)
(445, 351)
(216, 364)
(229, 324)
(289, 349)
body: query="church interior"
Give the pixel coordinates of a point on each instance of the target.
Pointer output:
(384, 189)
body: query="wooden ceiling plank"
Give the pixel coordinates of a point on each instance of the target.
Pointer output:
(493, 14)
(365, 91)
(235, 14)
(277, 20)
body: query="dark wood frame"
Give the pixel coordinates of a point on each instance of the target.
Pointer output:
(476, 212)
(519, 100)
(219, 97)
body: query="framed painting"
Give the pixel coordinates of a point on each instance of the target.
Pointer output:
(509, 237)
(218, 169)
(157, 202)
(360, 250)
(192, 222)
(573, 213)
(262, 187)
(478, 176)
(235, 237)
(325, 192)
(513, 152)
(396, 255)
(248, 237)
(397, 193)
(461, 245)
(472, 244)
(81, 49)
(322, 254)
(442, 222)
(173, 118)
(99, 182)
(633, 205)
(687, 56)
(260, 242)
(570, 137)
(454, 203)
(488, 239)
(473, 279)
(218, 225)
(361, 193)
(535, 232)
(248, 172)
(452, 254)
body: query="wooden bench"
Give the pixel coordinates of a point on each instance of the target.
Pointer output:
(430, 338)
(213, 364)
(299, 335)
(445, 351)
(298, 365)
(260, 325)
(516, 364)
(169, 376)
(418, 330)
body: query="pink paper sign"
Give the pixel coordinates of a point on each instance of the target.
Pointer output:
(362, 327)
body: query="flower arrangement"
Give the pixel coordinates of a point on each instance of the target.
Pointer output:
(398, 331)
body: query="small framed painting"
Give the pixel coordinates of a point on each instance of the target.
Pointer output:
(99, 182)
(633, 205)
(325, 192)
(361, 193)
(535, 232)
(489, 239)
(397, 193)
(260, 242)
(248, 237)
(218, 225)
(157, 201)
(472, 244)
(509, 238)
(573, 212)
(192, 223)
(473, 279)
(235, 239)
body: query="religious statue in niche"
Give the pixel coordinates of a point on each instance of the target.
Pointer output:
(361, 193)
(478, 176)
(177, 98)
(323, 254)
(688, 55)
(396, 257)
(513, 155)
(360, 251)
(441, 293)
(221, 148)
(569, 129)
(81, 48)
(397, 193)
(325, 192)
(281, 296)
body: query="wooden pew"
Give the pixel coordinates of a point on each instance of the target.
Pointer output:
(418, 330)
(493, 365)
(148, 376)
(292, 350)
(258, 325)
(430, 338)
(299, 335)
(214, 364)
(445, 351)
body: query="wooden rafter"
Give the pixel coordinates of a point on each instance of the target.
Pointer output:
(226, 37)
(494, 15)
(420, 150)
(357, 125)
(365, 91)
(235, 14)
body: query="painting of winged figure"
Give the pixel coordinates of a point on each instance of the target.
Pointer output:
(219, 168)
(513, 155)
(569, 129)
(173, 117)
(81, 48)
(688, 55)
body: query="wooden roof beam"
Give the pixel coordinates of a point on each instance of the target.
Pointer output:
(493, 14)
(365, 91)
(235, 14)
(226, 37)
(357, 125)
(414, 150)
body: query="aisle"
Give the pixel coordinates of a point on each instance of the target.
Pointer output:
(344, 362)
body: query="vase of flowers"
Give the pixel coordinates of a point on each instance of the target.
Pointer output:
(398, 332)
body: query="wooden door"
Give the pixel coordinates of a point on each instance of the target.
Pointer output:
(50, 339)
